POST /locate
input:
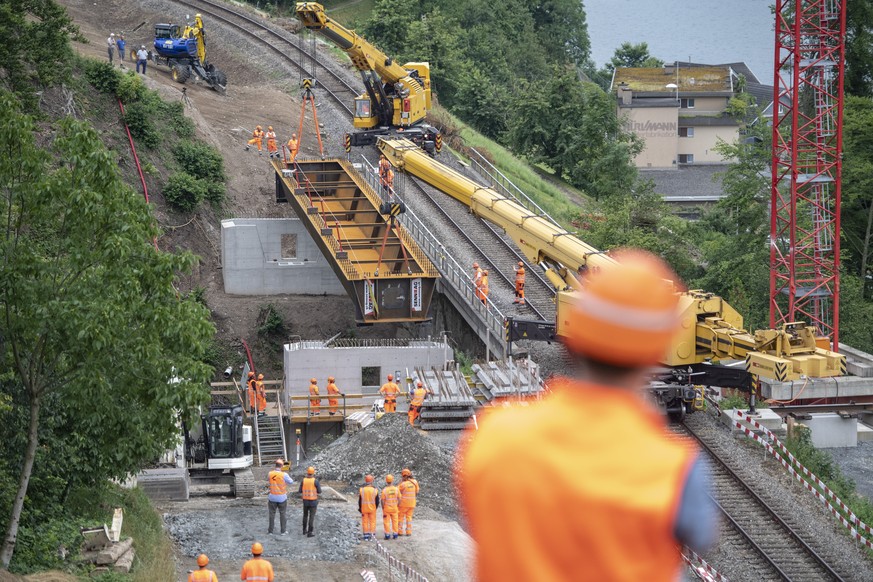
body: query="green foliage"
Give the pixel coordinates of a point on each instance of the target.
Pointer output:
(130, 87)
(740, 105)
(630, 55)
(856, 312)
(465, 361)
(103, 76)
(38, 543)
(734, 401)
(270, 322)
(857, 202)
(35, 52)
(859, 47)
(184, 191)
(139, 119)
(205, 163)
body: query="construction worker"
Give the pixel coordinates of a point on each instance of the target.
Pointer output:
(477, 278)
(519, 284)
(293, 148)
(278, 497)
(271, 142)
(593, 450)
(110, 46)
(418, 396)
(368, 501)
(257, 139)
(408, 492)
(390, 497)
(384, 166)
(314, 403)
(332, 393)
(389, 391)
(203, 574)
(310, 489)
(262, 395)
(257, 569)
(387, 181)
(253, 392)
(483, 288)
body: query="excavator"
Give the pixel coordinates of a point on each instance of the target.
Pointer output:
(396, 98)
(711, 330)
(185, 53)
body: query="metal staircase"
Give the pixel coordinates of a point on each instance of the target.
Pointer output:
(270, 439)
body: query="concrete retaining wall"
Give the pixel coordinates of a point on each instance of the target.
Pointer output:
(252, 261)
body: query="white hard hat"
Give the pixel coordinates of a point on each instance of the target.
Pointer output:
(142, 47)
(112, 34)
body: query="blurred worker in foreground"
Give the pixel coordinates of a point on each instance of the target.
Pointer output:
(390, 508)
(418, 396)
(408, 491)
(278, 497)
(519, 284)
(257, 139)
(593, 458)
(253, 392)
(262, 395)
(257, 569)
(389, 391)
(310, 489)
(332, 393)
(368, 501)
(293, 148)
(314, 403)
(203, 574)
(271, 142)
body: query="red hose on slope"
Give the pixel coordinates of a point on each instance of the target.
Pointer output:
(145, 189)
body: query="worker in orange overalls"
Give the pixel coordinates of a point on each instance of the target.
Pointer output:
(477, 278)
(314, 403)
(251, 383)
(389, 391)
(293, 148)
(262, 395)
(257, 569)
(644, 493)
(387, 181)
(390, 507)
(384, 166)
(203, 574)
(332, 393)
(408, 491)
(368, 501)
(519, 284)
(271, 143)
(418, 396)
(257, 139)
(483, 289)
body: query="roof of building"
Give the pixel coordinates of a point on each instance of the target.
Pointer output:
(695, 181)
(689, 79)
(739, 68)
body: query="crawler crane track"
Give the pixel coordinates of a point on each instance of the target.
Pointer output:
(494, 252)
(771, 544)
(335, 86)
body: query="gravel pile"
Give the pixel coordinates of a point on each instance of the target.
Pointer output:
(769, 480)
(337, 533)
(387, 446)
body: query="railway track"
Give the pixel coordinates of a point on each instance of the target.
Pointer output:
(770, 543)
(340, 91)
(472, 237)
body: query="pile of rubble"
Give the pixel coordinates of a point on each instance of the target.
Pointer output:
(103, 548)
(387, 446)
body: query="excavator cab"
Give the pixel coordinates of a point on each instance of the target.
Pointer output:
(223, 441)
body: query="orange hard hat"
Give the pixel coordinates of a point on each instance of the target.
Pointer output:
(202, 560)
(257, 549)
(260, 376)
(625, 314)
(485, 272)
(390, 377)
(330, 378)
(520, 264)
(368, 479)
(293, 135)
(251, 374)
(310, 470)
(389, 478)
(313, 381)
(418, 383)
(475, 265)
(406, 473)
(270, 127)
(258, 127)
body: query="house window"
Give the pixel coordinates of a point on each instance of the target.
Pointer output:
(686, 103)
(686, 132)
(686, 158)
(371, 376)
(289, 246)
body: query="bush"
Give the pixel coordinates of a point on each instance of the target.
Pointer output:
(174, 113)
(103, 76)
(139, 119)
(270, 322)
(184, 191)
(200, 160)
(131, 88)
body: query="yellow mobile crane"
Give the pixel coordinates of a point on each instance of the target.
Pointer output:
(711, 330)
(396, 96)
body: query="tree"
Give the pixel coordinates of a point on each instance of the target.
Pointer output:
(561, 27)
(91, 321)
(388, 26)
(857, 207)
(859, 47)
(633, 55)
(35, 52)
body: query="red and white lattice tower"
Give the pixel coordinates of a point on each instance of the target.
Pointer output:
(807, 150)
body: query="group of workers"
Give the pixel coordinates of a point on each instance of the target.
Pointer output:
(257, 394)
(259, 135)
(257, 569)
(481, 288)
(333, 394)
(390, 390)
(397, 502)
(141, 56)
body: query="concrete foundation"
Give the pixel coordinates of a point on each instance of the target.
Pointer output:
(865, 433)
(764, 416)
(816, 388)
(271, 256)
(830, 430)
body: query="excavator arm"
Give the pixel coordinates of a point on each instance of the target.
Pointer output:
(198, 34)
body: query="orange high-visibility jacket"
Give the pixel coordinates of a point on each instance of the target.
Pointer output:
(596, 460)
(308, 490)
(418, 397)
(408, 491)
(390, 499)
(293, 145)
(277, 483)
(202, 576)
(258, 134)
(389, 390)
(257, 570)
(367, 500)
(519, 276)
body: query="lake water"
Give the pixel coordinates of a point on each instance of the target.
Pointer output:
(700, 31)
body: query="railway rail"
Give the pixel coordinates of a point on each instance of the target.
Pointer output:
(770, 542)
(339, 90)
